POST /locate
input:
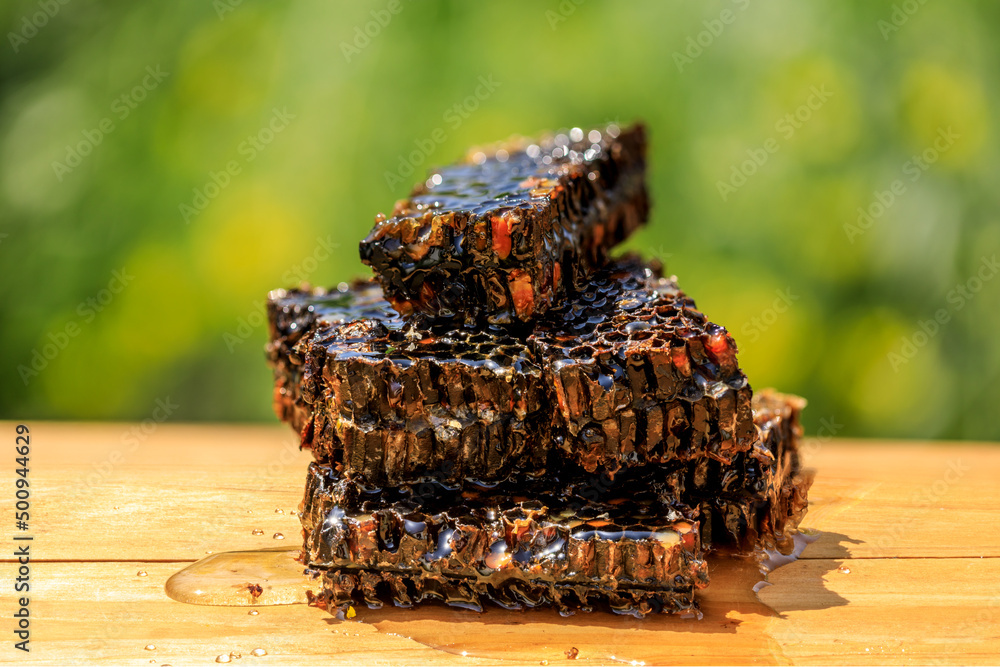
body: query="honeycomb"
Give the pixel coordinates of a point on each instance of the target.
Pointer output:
(506, 415)
(640, 376)
(630, 374)
(513, 229)
(550, 536)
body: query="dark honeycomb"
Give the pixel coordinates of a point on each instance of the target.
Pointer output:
(759, 498)
(640, 376)
(397, 401)
(558, 538)
(294, 315)
(506, 415)
(629, 375)
(527, 543)
(403, 589)
(514, 229)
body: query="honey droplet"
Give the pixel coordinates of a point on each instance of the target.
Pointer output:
(235, 655)
(223, 579)
(258, 652)
(544, 662)
(279, 536)
(222, 658)
(572, 652)
(253, 612)
(150, 647)
(279, 511)
(257, 531)
(141, 573)
(843, 569)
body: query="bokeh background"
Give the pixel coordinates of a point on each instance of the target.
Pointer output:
(115, 116)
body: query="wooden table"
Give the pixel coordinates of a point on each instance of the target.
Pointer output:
(906, 569)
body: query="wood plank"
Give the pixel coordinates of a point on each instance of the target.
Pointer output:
(182, 491)
(102, 613)
(90, 444)
(890, 611)
(177, 513)
(884, 500)
(886, 611)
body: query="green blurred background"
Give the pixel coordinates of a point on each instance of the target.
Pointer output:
(818, 300)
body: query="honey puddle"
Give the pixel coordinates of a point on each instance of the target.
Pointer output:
(773, 559)
(242, 579)
(536, 636)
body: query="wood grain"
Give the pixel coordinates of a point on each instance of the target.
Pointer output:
(915, 524)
